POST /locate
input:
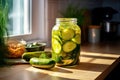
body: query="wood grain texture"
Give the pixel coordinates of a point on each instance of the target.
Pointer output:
(90, 67)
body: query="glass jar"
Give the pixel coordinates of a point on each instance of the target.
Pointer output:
(66, 40)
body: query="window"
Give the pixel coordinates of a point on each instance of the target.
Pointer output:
(28, 20)
(19, 17)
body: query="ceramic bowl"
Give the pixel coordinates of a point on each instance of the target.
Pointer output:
(35, 46)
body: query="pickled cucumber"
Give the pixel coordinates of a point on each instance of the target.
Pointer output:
(68, 61)
(57, 58)
(44, 55)
(42, 63)
(57, 38)
(67, 34)
(76, 39)
(28, 55)
(56, 46)
(69, 46)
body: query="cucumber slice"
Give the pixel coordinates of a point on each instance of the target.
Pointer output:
(57, 37)
(76, 39)
(65, 62)
(69, 46)
(56, 46)
(63, 54)
(68, 61)
(56, 32)
(67, 34)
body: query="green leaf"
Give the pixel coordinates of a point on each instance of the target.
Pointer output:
(3, 28)
(74, 12)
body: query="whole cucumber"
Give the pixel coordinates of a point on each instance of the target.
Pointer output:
(28, 55)
(42, 63)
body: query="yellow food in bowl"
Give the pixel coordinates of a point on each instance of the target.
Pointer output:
(15, 50)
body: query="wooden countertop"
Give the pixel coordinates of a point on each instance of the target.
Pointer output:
(92, 65)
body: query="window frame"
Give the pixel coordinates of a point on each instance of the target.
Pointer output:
(38, 23)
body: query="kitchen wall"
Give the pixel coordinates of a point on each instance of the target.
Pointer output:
(56, 6)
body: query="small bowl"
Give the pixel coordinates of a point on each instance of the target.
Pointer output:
(35, 46)
(15, 49)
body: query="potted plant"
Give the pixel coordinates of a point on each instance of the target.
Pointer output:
(73, 12)
(3, 29)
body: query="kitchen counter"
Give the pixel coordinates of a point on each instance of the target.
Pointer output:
(92, 66)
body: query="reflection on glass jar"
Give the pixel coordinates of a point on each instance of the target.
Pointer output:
(66, 40)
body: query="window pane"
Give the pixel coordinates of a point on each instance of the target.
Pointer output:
(19, 17)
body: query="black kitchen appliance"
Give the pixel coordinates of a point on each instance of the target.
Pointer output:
(103, 16)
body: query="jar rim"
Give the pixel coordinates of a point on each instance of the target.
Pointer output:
(66, 19)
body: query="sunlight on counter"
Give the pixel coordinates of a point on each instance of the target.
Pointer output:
(91, 65)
